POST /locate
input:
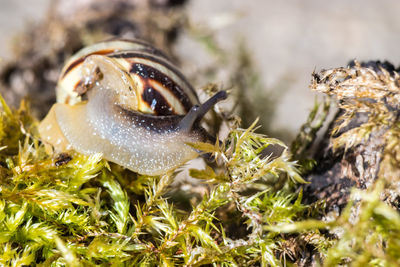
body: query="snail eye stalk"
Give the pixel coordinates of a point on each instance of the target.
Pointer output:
(197, 112)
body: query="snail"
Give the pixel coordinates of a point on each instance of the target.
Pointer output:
(124, 99)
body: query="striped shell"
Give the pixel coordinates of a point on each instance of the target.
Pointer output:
(124, 99)
(158, 86)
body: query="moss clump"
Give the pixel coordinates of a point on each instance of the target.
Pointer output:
(79, 210)
(367, 233)
(245, 210)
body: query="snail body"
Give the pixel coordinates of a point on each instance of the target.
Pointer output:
(124, 99)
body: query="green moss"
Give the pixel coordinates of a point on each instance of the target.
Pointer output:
(80, 210)
(367, 233)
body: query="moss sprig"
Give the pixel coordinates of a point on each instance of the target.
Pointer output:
(366, 233)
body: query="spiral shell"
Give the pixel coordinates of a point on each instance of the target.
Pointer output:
(158, 86)
(125, 99)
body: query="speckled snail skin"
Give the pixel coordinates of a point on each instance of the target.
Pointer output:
(124, 99)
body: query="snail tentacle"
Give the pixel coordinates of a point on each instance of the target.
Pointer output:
(197, 112)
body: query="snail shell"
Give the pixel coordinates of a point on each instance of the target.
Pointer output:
(124, 99)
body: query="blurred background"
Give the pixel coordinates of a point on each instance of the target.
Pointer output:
(285, 42)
